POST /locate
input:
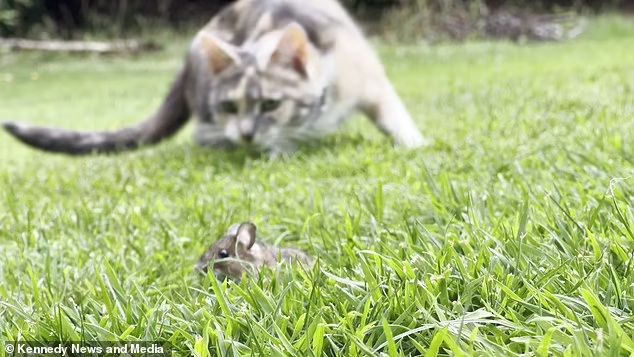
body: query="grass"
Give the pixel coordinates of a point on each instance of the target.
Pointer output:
(512, 235)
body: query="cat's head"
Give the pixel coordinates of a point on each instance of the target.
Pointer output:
(265, 93)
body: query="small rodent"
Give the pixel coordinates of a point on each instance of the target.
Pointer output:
(238, 251)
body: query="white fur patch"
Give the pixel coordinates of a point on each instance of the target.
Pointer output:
(232, 130)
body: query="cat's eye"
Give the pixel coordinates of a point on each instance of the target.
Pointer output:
(223, 254)
(269, 105)
(229, 107)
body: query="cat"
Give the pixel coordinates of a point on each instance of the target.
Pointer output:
(267, 74)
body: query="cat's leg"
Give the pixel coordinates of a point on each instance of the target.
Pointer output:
(383, 106)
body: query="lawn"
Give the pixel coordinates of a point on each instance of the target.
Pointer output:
(513, 234)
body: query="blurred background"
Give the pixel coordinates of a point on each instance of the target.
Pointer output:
(432, 20)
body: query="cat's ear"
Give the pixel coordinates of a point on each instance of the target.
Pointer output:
(293, 49)
(246, 234)
(219, 54)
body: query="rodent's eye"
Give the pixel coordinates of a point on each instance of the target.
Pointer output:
(269, 105)
(229, 107)
(223, 254)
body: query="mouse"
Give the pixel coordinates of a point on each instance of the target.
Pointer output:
(239, 251)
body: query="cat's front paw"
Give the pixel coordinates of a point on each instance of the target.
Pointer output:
(412, 140)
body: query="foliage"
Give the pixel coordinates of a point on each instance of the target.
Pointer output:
(17, 15)
(73, 18)
(511, 235)
(68, 18)
(459, 21)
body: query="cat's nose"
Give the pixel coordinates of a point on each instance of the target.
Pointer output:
(248, 136)
(247, 130)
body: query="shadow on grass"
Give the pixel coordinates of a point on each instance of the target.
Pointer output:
(237, 158)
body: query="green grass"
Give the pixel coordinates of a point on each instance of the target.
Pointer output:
(513, 234)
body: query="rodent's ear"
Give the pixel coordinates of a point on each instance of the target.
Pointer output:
(246, 234)
(233, 230)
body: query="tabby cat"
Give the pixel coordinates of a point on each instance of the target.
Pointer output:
(268, 74)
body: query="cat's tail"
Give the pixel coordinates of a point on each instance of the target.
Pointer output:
(171, 116)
